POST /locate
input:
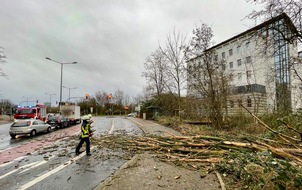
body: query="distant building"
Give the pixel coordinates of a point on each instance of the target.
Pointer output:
(257, 63)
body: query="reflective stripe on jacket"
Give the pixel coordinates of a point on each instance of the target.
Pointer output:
(85, 131)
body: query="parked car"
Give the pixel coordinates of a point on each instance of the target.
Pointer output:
(28, 126)
(132, 115)
(63, 121)
(52, 120)
(58, 121)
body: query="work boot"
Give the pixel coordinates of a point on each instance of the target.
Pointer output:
(88, 154)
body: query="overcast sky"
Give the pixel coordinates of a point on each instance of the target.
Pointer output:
(109, 40)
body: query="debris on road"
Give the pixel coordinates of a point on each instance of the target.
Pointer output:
(236, 159)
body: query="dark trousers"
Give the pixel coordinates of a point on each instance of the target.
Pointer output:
(87, 141)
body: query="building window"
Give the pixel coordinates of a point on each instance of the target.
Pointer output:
(231, 103)
(238, 49)
(248, 59)
(248, 74)
(239, 76)
(230, 52)
(231, 77)
(249, 102)
(247, 45)
(231, 65)
(239, 62)
(223, 55)
(223, 67)
(216, 58)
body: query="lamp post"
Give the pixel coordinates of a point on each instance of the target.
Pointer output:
(27, 99)
(69, 91)
(61, 74)
(49, 97)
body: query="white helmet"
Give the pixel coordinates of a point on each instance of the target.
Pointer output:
(90, 116)
(85, 117)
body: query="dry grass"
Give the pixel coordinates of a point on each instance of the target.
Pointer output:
(5, 119)
(241, 130)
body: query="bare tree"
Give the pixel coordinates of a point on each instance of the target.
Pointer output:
(273, 8)
(119, 97)
(100, 97)
(154, 71)
(126, 100)
(174, 53)
(200, 42)
(206, 77)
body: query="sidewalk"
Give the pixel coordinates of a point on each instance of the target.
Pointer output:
(144, 171)
(151, 128)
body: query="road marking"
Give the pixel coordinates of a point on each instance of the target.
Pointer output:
(7, 163)
(39, 164)
(112, 127)
(13, 171)
(42, 177)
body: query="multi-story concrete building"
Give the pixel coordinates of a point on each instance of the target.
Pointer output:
(258, 64)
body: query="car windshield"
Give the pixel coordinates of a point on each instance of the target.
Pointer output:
(52, 117)
(21, 124)
(24, 111)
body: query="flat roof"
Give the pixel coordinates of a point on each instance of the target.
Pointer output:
(272, 20)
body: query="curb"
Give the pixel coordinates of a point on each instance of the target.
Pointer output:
(108, 180)
(139, 125)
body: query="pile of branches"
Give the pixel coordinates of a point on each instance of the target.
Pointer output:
(194, 148)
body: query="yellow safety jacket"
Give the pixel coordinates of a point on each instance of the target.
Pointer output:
(85, 130)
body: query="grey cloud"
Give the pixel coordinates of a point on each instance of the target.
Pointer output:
(109, 39)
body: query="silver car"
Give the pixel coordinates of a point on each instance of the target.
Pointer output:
(28, 126)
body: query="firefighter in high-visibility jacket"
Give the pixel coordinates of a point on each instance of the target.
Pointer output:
(86, 132)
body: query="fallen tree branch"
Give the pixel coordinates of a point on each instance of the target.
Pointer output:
(282, 136)
(291, 128)
(281, 153)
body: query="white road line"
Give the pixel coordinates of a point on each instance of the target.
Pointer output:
(17, 159)
(112, 127)
(7, 174)
(13, 171)
(39, 164)
(42, 177)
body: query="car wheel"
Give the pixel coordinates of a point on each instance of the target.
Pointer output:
(13, 136)
(48, 129)
(33, 133)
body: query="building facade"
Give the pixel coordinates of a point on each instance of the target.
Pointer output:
(257, 68)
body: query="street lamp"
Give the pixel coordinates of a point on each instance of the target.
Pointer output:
(61, 74)
(27, 99)
(69, 91)
(49, 97)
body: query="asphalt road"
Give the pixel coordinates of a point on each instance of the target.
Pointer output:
(48, 161)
